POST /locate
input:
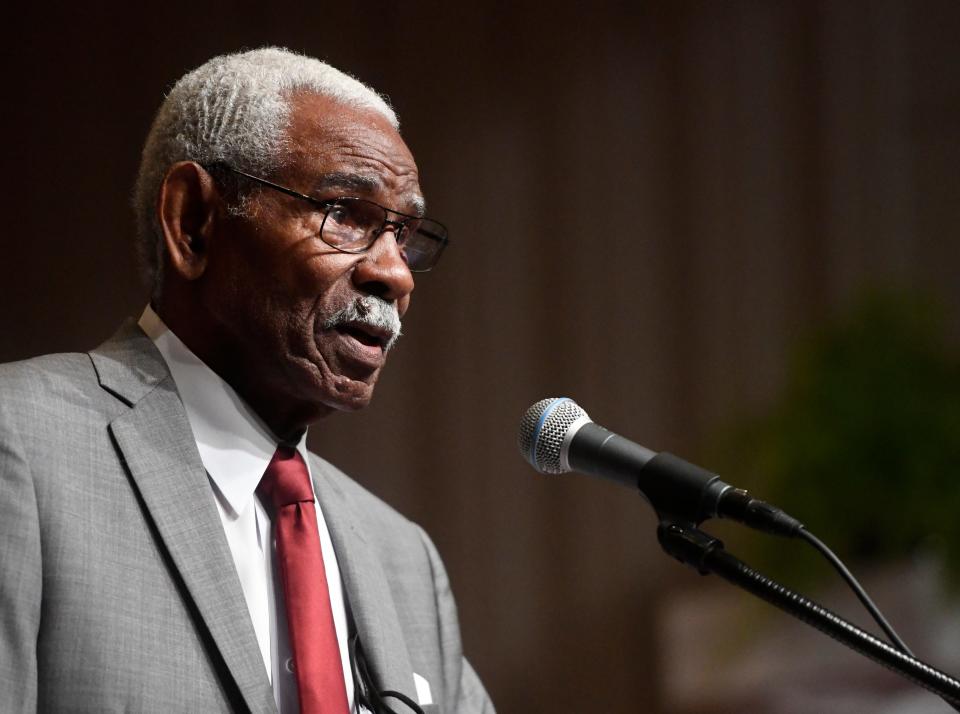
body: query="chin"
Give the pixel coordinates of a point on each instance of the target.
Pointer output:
(348, 395)
(350, 404)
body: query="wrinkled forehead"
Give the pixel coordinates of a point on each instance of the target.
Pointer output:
(334, 145)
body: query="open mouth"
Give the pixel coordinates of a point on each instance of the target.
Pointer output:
(365, 334)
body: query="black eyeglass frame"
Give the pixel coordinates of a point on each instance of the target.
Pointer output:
(401, 229)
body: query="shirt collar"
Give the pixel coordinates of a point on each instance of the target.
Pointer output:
(234, 443)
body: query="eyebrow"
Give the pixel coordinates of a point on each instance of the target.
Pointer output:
(363, 184)
(354, 182)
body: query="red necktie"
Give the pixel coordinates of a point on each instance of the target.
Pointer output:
(313, 638)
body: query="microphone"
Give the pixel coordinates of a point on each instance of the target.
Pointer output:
(557, 436)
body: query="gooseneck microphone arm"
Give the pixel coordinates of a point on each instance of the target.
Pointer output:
(706, 555)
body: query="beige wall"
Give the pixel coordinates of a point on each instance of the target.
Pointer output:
(647, 207)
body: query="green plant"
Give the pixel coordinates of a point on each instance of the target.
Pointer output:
(864, 443)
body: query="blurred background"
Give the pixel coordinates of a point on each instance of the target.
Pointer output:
(728, 229)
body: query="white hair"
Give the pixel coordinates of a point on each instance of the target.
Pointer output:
(233, 109)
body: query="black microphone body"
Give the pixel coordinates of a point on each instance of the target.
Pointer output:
(676, 489)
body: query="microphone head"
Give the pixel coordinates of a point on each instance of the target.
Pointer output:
(544, 432)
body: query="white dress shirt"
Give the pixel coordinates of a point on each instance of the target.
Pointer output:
(236, 447)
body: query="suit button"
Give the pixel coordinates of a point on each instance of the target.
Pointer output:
(288, 665)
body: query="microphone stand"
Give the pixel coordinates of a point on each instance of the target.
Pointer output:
(706, 555)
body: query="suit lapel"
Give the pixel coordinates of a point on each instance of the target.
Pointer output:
(368, 593)
(156, 443)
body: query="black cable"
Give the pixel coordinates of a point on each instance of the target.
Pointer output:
(862, 596)
(367, 695)
(403, 698)
(857, 589)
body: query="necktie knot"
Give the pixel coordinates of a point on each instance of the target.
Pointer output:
(286, 480)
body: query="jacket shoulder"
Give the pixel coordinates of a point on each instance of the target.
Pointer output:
(54, 377)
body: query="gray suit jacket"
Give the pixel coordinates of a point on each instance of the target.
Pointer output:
(117, 588)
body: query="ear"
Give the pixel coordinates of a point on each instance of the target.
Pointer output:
(187, 209)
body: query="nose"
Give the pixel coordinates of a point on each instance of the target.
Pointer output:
(382, 271)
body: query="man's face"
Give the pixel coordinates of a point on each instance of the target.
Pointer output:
(274, 283)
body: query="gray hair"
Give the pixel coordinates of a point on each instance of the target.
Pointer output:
(232, 109)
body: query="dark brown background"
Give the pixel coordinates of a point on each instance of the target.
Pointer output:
(649, 201)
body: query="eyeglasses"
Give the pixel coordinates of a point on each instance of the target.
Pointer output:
(351, 225)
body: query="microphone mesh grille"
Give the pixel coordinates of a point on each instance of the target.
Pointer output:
(542, 430)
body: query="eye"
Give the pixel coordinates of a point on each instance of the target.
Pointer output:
(339, 213)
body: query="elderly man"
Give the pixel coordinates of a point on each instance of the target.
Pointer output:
(168, 544)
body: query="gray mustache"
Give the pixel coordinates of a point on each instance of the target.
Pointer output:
(372, 311)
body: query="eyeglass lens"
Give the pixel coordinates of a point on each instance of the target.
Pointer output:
(354, 224)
